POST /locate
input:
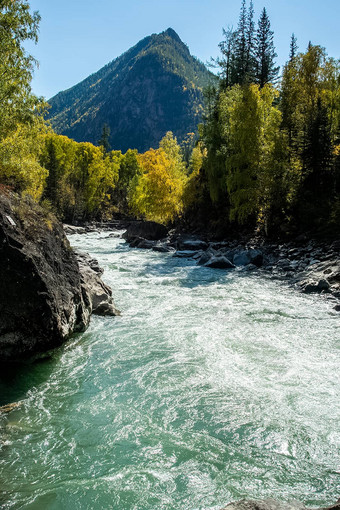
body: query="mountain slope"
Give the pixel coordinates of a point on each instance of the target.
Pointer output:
(154, 87)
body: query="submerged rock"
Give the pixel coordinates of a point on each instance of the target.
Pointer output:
(45, 294)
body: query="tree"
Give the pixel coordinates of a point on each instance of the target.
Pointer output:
(310, 100)
(237, 62)
(241, 46)
(159, 191)
(250, 41)
(81, 177)
(17, 103)
(227, 62)
(266, 71)
(293, 47)
(174, 152)
(20, 167)
(105, 137)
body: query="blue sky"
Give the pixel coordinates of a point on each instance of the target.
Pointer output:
(78, 37)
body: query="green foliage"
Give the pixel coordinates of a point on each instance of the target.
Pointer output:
(81, 177)
(193, 195)
(310, 102)
(19, 159)
(250, 144)
(272, 157)
(21, 124)
(17, 103)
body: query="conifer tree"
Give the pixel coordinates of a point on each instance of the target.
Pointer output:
(250, 61)
(293, 47)
(266, 71)
(241, 47)
(227, 62)
(104, 139)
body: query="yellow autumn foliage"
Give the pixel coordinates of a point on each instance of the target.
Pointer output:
(158, 195)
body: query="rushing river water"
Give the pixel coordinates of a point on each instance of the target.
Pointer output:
(211, 386)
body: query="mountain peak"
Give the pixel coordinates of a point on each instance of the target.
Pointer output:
(171, 33)
(154, 87)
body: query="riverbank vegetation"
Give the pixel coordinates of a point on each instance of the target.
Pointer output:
(267, 157)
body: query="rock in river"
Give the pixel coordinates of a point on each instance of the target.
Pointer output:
(45, 295)
(219, 262)
(145, 230)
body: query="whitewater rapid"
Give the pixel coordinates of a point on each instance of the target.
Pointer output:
(212, 386)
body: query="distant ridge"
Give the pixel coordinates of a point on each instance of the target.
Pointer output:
(154, 87)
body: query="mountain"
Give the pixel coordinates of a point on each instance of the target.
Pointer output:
(154, 87)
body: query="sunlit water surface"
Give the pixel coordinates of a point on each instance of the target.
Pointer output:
(211, 386)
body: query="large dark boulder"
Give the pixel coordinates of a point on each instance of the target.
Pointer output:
(44, 298)
(219, 262)
(145, 230)
(191, 243)
(245, 257)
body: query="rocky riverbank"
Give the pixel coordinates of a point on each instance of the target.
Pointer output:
(47, 290)
(309, 265)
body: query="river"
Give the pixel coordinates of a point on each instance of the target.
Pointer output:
(212, 386)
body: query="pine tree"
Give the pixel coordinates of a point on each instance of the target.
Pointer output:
(104, 139)
(238, 59)
(227, 62)
(266, 71)
(293, 47)
(250, 60)
(241, 47)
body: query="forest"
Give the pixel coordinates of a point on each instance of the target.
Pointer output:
(266, 157)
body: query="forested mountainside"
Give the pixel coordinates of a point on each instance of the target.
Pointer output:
(154, 87)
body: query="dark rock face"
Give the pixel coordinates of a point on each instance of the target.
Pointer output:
(43, 296)
(148, 230)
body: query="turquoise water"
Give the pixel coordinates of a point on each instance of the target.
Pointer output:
(212, 386)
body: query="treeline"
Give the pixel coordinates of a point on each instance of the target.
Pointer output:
(272, 158)
(86, 182)
(78, 181)
(273, 155)
(267, 157)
